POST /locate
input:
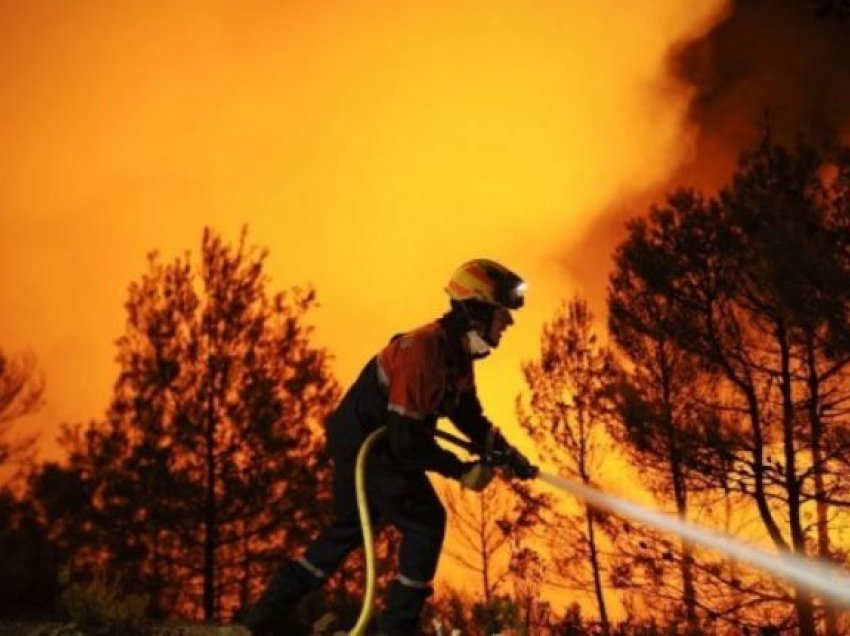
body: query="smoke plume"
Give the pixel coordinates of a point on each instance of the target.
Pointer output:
(784, 60)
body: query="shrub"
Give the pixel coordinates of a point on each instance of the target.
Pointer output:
(102, 607)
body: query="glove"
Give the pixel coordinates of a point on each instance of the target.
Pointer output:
(516, 463)
(476, 476)
(519, 466)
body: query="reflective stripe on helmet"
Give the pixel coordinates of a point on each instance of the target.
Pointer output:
(486, 281)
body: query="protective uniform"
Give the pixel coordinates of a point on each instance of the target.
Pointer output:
(418, 377)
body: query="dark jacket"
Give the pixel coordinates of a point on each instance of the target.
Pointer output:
(417, 378)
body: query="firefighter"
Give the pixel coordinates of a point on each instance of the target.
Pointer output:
(417, 378)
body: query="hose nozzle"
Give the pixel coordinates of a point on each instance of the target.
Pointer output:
(503, 454)
(496, 455)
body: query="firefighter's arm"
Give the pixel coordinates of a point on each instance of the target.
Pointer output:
(469, 418)
(413, 447)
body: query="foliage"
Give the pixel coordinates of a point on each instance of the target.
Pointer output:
(733, 310)
(569, 406)
(455, 612)
(485, 525)
(29, 561)
(21, 393)
(497, 615)
(208, 461)
(102, 607)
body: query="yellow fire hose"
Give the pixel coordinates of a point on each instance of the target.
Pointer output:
(366, 523)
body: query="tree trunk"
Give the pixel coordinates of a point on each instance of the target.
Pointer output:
(158, 583)
(689, 595)
(802, 598)
(805, 612)
(245, 579)
(680, 493)
(597, 578)
(745, 386)
(818, 470)
(485, 554)
(210, 527)
(758, 473)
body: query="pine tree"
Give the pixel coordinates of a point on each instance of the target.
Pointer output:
(208, 462)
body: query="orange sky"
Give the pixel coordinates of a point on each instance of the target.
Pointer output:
(371, 146)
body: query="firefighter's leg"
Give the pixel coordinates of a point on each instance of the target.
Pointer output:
(275, 611)
(335, 542)
(421, 518)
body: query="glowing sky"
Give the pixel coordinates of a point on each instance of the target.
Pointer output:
(371, 146)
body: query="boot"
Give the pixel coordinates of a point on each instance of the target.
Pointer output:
(265, 620)
(276, 613)
(403, 610)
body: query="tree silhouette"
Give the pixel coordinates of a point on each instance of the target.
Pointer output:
(484, 523)
(529, 575)
(21, 393)
(755, 283)
(666, 423)
(29, 561)
(208, 461)
(794, 219)
(569, 405)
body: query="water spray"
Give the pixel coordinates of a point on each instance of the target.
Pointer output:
(822, 578)
(827, 580)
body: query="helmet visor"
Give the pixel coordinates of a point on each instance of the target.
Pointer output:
(510, 291)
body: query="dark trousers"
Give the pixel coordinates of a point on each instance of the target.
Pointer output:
(404, 500)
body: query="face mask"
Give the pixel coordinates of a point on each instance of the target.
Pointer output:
(477, 345)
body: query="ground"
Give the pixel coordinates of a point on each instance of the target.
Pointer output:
(69, 629)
